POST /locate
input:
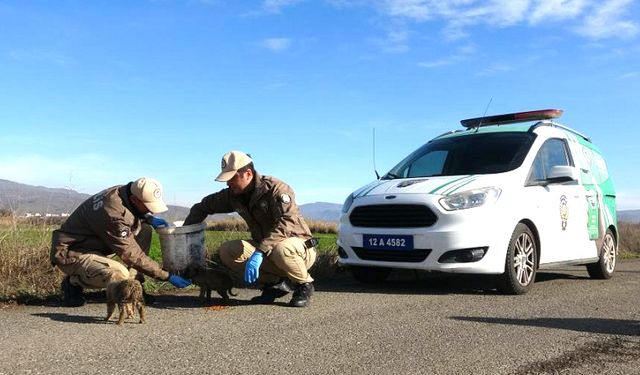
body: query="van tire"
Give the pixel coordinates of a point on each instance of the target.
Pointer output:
(604, 268)
(370, 275)
(521, 262)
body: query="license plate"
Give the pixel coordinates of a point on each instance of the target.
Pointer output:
(387, 242)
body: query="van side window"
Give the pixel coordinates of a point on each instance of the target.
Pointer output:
(552, 153)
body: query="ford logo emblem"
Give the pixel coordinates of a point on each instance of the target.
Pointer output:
(390, 197)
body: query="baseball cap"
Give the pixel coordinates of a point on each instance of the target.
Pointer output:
(149, 191)
(231, 162)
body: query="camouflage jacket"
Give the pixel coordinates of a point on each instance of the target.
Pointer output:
(105, 224)
(271, 213)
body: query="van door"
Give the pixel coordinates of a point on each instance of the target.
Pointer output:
(560, 207)
(598, 189)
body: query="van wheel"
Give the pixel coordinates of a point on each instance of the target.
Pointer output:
(605, 266)
(370, 275)
(520, 264)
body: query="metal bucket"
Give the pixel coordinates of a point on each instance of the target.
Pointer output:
(182, 247)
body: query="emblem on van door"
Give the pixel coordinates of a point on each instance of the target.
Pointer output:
(564, 211)
(390, 197)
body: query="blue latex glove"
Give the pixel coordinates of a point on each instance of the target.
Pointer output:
(157, 222)
(252, 268)
(179, 281)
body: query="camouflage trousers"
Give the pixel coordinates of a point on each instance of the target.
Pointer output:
(94, 270)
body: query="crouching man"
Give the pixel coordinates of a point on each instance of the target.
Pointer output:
(116, 221)
(281, 247)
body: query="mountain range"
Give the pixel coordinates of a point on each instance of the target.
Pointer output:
(23, 199)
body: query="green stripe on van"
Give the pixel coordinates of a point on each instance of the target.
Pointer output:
(453, 189)
(448, 183)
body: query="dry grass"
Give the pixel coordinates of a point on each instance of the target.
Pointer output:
(629, 240)
(25, 269)
(27, 274)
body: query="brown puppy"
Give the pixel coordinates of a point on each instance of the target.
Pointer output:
(212, 279)
(127, 294)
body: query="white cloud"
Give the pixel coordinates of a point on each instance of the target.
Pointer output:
(630, 75)
(419, 10)
(607, 21)
(507, 12)
(275, 6)
(396, 41)
(599, 19)
(276, 44)
(556, 10)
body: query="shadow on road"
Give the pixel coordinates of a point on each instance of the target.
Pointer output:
(62, 317)
(588, 325)
(424, 282)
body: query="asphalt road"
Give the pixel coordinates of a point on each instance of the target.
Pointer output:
(416, 323)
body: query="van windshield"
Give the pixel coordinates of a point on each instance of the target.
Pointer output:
(470, 154)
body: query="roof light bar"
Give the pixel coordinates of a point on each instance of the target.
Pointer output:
(510, 118)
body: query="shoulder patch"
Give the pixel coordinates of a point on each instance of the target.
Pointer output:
(285, 198)
(124, 232)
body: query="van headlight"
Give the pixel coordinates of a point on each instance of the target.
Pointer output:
(347, 204)
(470, 199)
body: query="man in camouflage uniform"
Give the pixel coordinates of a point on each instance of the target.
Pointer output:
(115, 221)
(281, 246)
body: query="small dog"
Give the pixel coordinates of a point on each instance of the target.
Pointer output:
(128, 295)
(212, 279)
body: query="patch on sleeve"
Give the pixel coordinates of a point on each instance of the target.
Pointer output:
(285, 198)
(124, 232)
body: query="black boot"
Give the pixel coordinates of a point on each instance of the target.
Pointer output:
(302, 295)
(72, 294)
(271, 292)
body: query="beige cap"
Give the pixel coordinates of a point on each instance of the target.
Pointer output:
(231, 162)
(149, 191)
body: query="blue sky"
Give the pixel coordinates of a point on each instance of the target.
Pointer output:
(98, 93)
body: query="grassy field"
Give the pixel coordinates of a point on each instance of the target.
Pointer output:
(26, 273)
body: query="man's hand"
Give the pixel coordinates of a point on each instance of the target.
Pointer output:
(157, 222)
(179, 281)
(252, 268)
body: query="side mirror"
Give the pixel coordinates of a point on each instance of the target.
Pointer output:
(562, 173)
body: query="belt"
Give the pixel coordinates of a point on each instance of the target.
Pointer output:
(312, 242)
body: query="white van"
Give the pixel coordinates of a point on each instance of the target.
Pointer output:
(505, 196)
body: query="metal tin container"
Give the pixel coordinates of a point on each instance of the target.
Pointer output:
(182, 247)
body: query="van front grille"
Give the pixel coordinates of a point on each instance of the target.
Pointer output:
(392, 216)
(415, 256)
